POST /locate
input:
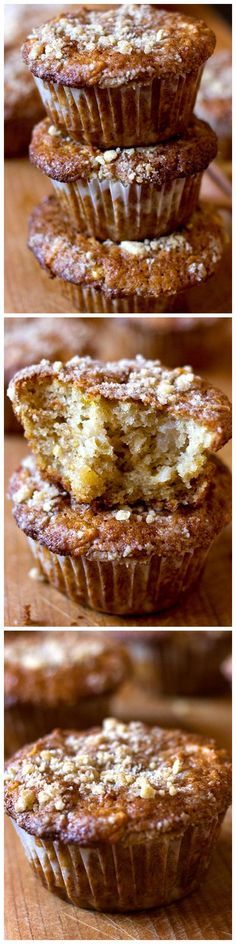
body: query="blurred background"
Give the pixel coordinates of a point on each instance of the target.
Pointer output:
(170, 678)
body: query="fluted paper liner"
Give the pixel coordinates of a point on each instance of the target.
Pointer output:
(109, 209)
(122, 586)
(89, 300)
(125, 116)
(123, 876)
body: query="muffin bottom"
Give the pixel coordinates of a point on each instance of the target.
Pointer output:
(109, 209)
(123, 586)
(26, 723)
(122, 877)
(125, 115)
(89, 300)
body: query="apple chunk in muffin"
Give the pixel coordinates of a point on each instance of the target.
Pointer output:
(122, 431)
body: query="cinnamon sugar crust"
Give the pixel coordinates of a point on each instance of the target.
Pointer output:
(60, 668)
(119, 782)
(176, 391)
(131, 43)
(166, 265)
(54, 519)
(64, 159)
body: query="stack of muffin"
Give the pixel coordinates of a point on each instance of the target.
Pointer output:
(123, 496)
(125, 154)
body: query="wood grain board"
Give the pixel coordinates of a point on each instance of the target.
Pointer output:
(209, 604)
(32, 913)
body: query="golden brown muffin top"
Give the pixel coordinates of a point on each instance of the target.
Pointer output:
(51, 668)
(176, 391)
(53, 518)
(154, 267)
(126, 44)
(62, 158)
(118, 781)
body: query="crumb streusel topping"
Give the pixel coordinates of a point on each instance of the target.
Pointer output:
(50, 516)
(62, 158)
(129, 43)
(60, 667)
(176, 390)
(114, 781)
(152, 267)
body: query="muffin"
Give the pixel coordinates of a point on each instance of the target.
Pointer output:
(121, 77)
(190, 663)
(56, 338)
(124, 431)
(214, 100)
(199, 341)
(51, 678)
(135, 559)
(128, 814)
(178, 662)
(22, 104)
(129, 276)
(129, 193)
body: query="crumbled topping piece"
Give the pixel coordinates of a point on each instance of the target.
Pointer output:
(25, 800)
(36, 574)
(54, 132)
(122, 515)
(184, 381)
(145, 789)
(110, 156)
(23, 494)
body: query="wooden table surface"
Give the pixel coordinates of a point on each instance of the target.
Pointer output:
(207, 605)
(32, 913)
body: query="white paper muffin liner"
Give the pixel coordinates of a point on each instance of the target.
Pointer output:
(24, 723)
(122, 876)
(124, 116)
(108, 209)
(123, 586)
(89, 300)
